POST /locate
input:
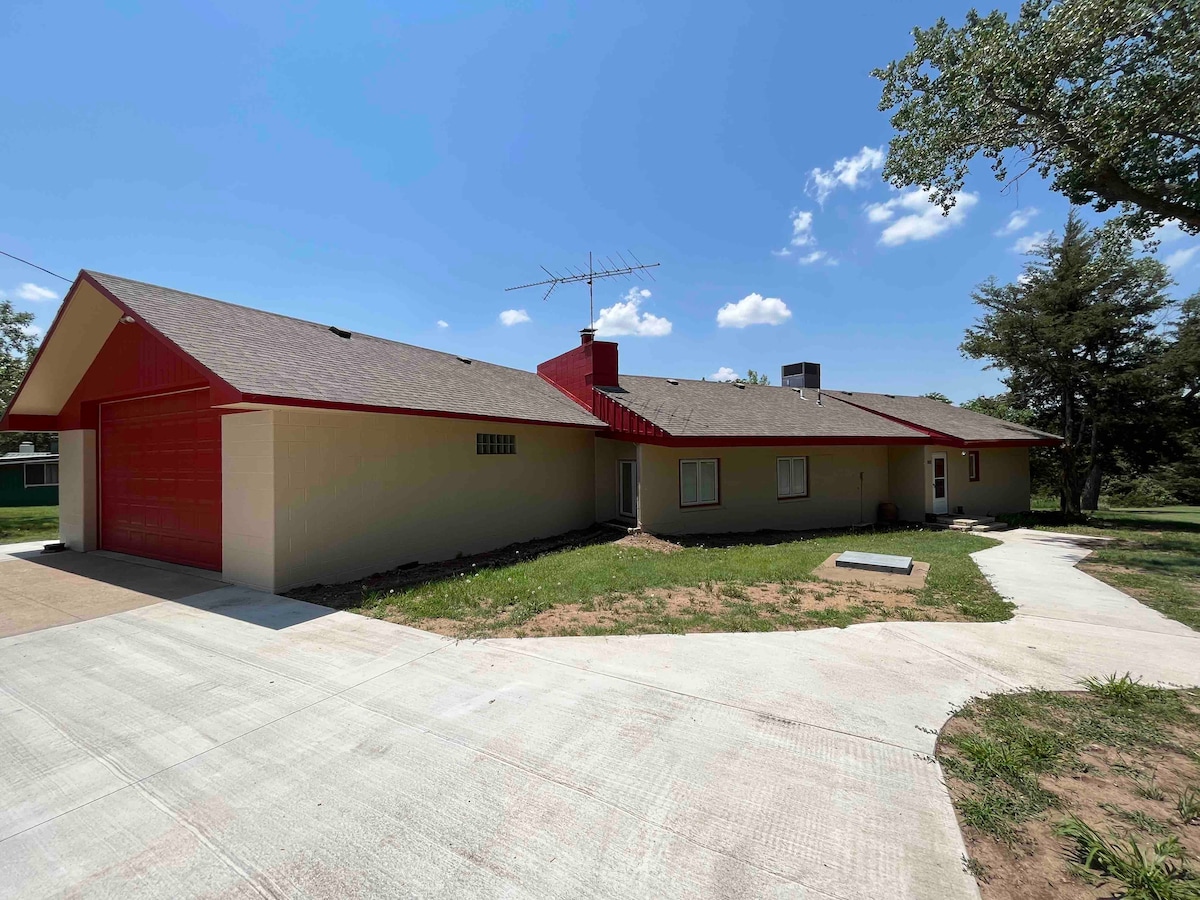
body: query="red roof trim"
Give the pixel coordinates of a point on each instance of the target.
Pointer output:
(940, 437)
(397, 411)
(769, 441)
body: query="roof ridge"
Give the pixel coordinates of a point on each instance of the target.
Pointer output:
(267, 312)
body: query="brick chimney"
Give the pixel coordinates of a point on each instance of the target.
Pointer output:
(592, 364)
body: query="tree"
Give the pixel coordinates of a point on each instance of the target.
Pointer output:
(1001, 406)
(1078, 336)
(938, 396)
(17, 345)
(752, 377)
(1101, 96)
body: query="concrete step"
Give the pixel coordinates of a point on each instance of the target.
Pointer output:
(966, 520)
(990, 526)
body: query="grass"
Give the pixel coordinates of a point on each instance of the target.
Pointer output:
(1026, 768)
(504, 597)
(1154, 554)
(28, 523)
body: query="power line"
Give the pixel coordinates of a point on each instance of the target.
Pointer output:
(35, 265)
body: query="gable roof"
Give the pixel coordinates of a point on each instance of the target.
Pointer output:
(270, 357)
(944, 418)
(684, 408)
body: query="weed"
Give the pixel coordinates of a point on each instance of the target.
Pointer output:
(1148, 788)
(1136, 818)
(1188, 806)
(1123, 691)
(1154, 874)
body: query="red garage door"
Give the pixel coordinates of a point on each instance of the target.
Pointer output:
(160, 478)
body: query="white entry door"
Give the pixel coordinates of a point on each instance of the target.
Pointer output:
(941, 498)
(627, 488)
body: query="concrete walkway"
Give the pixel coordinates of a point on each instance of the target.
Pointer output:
(234, 744)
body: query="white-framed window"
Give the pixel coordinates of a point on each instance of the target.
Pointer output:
(791, 476)
(41, 474)
(495, 444)
(972, 465)
(699, 482)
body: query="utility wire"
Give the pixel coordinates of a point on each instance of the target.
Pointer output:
(35, 265)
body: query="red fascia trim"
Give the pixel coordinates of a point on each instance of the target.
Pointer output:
(785, 441)
(1018, 442)
(395, 410)
(222, 391)
(10, 422)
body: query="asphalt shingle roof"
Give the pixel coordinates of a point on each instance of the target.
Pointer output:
(719, 410)
(265, 353)
(943, 417)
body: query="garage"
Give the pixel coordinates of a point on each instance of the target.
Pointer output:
(160, 478)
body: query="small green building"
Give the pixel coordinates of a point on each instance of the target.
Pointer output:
(29, 479)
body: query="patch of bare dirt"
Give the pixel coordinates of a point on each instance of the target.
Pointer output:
(643, 541)
(709, 608)
(1105, 794)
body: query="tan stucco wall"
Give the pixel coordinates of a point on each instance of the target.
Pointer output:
(77, 519)
(607, 454)
(748, 492)
(248, 497)
(906, 477)
(1003, 486)
(330, 497)
(82, 330)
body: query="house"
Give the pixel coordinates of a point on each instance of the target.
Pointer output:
(28, 477)
(281, 452)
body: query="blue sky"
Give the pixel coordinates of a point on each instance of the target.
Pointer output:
(386, 167)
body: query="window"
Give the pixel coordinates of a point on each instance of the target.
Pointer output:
(41, 474)
(495, 444)
(698, 482)
(791, 474)
(972, 465)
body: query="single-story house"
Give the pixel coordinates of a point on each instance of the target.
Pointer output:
(281, 452)
(28, 477)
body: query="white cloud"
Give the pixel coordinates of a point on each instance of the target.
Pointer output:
(802, 221)
(724, 374)
(1180, 258)
(625, 317)
(846, 172)
(1168, 231)
(513, 317)
(1026, 243)
(815, 256)
(922, 219)
(753, 309)
(442, 323)
(32, 293)
(34, 331)
(1017, 220)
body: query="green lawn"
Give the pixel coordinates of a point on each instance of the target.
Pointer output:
(756, 584)
(1154, 555)
(28, 523)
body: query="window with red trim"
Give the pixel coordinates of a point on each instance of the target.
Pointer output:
(972, 465)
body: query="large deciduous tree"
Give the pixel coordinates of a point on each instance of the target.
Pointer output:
(1078, 335)
(1100, 96)
(17, 343)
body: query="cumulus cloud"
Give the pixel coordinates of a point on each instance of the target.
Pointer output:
(816, 256)
(442, 323)
(1026, 243)
(753, 309)
(1017, 220)
(724, 374)
(846, 172)
(1180, 258)
(512, 317)
(34, 331)
(626, 317)
(1169, 231)
(31, 293)
(918, 219)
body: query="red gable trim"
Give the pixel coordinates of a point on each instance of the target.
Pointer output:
(940, 437)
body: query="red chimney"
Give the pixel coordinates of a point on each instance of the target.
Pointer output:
(592, 364)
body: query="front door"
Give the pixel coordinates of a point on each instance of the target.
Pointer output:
(941, 500)
(627, 488)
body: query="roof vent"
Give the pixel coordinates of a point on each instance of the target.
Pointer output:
(463, 359)
(804, 374)
(672, 381)
(739, 385)
(339, 332)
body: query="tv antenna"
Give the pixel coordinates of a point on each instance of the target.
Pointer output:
(612, 270)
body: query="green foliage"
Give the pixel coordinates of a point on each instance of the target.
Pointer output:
(1188, 806)
(1124, 690)
(17, 346)
(936, 395)
(1078, 335)
(1100, 96)
(753, 377)
(1154, 874)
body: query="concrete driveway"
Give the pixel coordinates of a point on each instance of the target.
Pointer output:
(231, 744)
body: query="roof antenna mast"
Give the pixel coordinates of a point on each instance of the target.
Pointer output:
(575, 276)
